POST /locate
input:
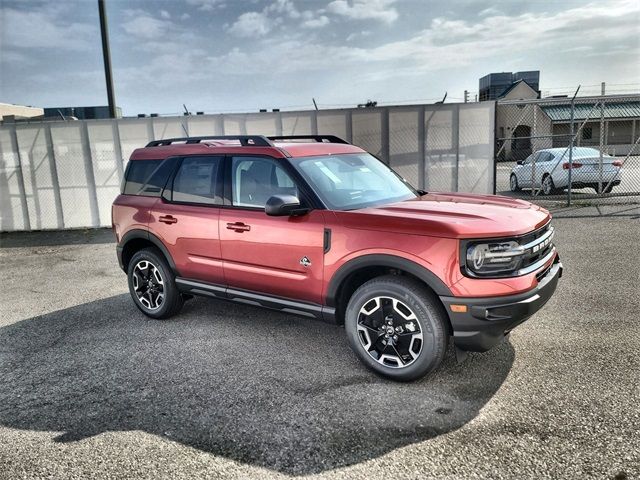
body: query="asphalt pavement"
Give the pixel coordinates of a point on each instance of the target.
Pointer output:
(90, 388)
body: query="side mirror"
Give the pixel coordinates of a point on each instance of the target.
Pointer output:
(284, 205)
(520, 162)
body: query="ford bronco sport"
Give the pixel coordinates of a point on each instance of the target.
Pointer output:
(317, 227)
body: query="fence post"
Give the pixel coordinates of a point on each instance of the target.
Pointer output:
(384, 134)
(573, 106)
(279, 124)
(151, 134)
(600, 172)
(455, 140)
(422, 151)
(54, 176)
(314, 122)
(23, 192)
(349, 125)
(117, 149)
(533, 149)
(88, 172)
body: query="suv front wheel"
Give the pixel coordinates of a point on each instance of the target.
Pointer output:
(152, 284)
(397, 327)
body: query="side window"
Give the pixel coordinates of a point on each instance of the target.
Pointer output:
(528, 160)
(138, 175)
(255, 179)
(196, 181)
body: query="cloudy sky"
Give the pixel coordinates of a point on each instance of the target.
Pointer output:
(242, 55)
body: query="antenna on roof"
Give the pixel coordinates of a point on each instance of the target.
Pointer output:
(314, 103)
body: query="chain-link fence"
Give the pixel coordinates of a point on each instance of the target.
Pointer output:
(569, 148)
(56, 175)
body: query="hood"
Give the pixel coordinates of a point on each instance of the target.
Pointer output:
(451, 215)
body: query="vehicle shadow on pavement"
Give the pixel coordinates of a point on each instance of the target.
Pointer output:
(251, 385)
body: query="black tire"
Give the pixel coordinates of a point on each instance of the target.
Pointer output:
(553, 190)
(605, 189)
(513, 183)
(172, 300)
(421, 303)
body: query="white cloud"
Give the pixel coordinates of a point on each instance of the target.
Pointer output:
(285, 7)
(381, 10)
(206, 5)
(47, 27)
(317, 22)
(143, 25)
(251, 24)
(185, 16)
(490, 11)
(258, 24)
(452, 43)
(164, 14)
(354, 35)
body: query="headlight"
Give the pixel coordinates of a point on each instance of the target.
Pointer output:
(494, 258)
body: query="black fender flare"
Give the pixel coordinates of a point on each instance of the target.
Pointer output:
(383, 260)
(145, 235)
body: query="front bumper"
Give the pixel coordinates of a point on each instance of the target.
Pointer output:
(487, 320)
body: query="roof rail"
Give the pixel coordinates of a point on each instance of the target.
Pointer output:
(317, 138)
(245, 140)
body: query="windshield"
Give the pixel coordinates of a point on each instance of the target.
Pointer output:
(351, 181)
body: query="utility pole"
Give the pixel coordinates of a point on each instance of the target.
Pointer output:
(466, 96)
(106, 54)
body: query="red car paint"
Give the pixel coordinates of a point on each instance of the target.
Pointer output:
(246, 249)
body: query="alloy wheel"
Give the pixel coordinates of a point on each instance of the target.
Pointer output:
(547, 185)
(148, 285)
(389, 332)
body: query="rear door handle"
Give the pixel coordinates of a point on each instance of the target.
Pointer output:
(238, 227)
(168, 219)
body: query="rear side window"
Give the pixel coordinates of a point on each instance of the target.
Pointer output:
(196, 181)
(147, 177)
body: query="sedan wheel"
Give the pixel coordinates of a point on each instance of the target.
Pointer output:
(548, 186)
(513, 183)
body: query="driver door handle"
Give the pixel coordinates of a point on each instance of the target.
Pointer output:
(238, 227)
(168, 219)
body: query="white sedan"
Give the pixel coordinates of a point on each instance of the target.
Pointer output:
(548, 170)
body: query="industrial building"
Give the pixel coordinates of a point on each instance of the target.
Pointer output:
(496, 85)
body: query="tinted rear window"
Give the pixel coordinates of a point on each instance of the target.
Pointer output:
(147, 177)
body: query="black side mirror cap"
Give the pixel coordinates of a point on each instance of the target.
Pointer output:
(284, 205)
(520, 162)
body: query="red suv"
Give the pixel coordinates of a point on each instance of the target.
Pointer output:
(317, 227)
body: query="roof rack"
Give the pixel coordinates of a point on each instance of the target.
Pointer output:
(245, 140)
(317, 138)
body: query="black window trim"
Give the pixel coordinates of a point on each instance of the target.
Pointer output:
(307, 196)
(167, 192)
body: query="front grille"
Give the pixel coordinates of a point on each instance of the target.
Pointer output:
(538, 244)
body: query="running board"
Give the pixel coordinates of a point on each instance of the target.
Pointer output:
(285, 305)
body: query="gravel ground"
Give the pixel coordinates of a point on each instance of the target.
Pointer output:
(90, 388)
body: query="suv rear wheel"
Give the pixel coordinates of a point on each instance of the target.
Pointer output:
(152, 284)
(397, 327)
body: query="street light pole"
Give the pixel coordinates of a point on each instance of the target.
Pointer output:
(106, 54)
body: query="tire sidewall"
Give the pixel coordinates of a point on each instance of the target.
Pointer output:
(551, 189)
(513, 182)
(170, 290)
(433, 331)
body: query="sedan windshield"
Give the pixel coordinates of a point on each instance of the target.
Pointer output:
(352, 181)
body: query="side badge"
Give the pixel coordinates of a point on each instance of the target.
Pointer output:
(305, 262)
